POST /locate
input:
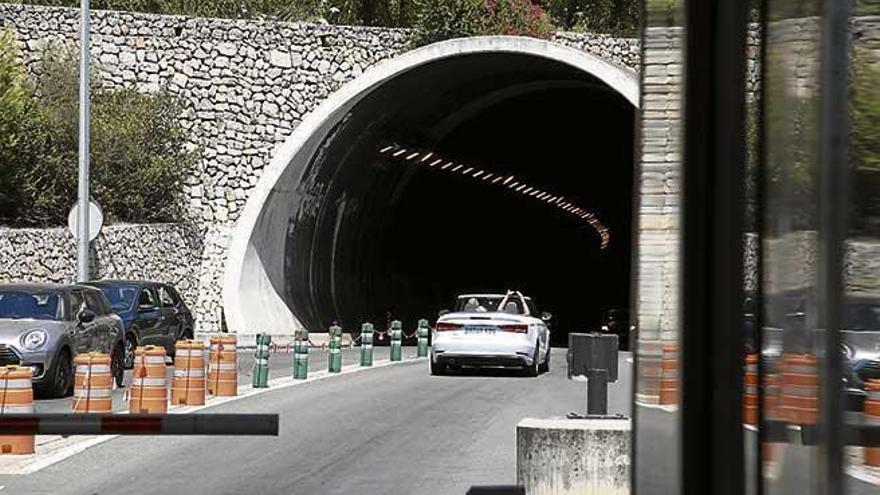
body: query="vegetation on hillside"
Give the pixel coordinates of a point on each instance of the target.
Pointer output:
(606, 16)
(138, 153)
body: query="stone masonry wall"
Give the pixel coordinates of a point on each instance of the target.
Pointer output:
(189, 256)
(245, 86)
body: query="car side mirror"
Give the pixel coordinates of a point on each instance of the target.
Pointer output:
(443, 312)
(146, 308)
(86, 316)
(546, 316)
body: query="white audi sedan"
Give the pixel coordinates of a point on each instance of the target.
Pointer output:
(492, 331)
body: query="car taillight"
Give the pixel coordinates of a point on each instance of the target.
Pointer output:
(446, 327)
(514, 328)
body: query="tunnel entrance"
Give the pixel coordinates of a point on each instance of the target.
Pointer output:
(370, 236)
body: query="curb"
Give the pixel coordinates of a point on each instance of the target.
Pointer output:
(35, 462)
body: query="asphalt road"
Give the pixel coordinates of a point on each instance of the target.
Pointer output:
(392, 430)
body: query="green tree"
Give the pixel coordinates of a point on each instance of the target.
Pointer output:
(865, 141)
(439, 20)
(14, 103)
(138, 150)
(606, 16)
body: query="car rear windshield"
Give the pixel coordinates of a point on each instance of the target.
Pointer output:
(31, 305)
(486, 304)
(121, 297)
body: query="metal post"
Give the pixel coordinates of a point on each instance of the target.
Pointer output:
(423, 338)
(261, 361)
(367, 344)
(82, 246)
(597, 392)
(301, 355)
(396, 336)
(335, 356)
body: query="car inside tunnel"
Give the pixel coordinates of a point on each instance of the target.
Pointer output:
(375, 237)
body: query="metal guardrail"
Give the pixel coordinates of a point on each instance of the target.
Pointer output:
(140, 424)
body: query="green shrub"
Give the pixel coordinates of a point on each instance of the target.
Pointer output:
(138, 151)
(445, 19)
(619, 17)
(440, 20)
(14, 103)
(516, 17)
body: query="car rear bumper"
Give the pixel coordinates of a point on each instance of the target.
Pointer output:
(483, 360)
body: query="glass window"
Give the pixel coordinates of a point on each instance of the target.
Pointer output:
(76, 303)
(655, 308)
(29, 305)
(121, 297)
(94, 302)
(166, 297)
(148, 297)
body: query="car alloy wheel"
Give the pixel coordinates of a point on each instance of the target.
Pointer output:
(534, 370)
(62, 379)
(117, 365)
(130, 345)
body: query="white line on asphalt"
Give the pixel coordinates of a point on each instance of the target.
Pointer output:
(244, 392)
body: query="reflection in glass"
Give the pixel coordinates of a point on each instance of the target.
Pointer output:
(793, 351)
(657, 430)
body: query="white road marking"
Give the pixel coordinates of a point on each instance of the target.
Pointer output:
(37, 462)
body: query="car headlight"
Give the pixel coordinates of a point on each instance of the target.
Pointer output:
(34, 339)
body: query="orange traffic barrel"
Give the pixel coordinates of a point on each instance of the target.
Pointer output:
(750, 397)
(92, 383)
(188, 384)
(222, 366)
(669, 374)
(149, 389)
(872, 416)
(16, 397)
(800, 389)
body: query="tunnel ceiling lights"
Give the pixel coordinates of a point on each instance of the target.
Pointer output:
(432, 160)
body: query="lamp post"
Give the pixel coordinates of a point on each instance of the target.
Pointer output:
(82, 247)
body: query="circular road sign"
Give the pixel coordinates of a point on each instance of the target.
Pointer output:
(96, 220)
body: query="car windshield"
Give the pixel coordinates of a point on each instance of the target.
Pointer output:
(27, 305)
(121, 297)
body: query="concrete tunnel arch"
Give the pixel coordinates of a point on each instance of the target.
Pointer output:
(256, 295)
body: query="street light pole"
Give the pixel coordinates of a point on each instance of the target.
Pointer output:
(82, 247)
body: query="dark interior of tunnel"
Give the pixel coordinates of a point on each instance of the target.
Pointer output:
(379, 237)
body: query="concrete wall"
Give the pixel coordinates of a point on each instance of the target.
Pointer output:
(574, 456)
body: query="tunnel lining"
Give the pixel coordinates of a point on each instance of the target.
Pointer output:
(251, 297)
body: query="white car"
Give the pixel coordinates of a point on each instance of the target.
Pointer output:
(492, 331)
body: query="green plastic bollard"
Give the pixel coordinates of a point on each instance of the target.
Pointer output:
(423, 338)
(367, 344)
(335, 357)
(301, 355)
(396, 336)
(261, 361)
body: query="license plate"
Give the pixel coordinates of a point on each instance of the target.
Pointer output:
(479, 329)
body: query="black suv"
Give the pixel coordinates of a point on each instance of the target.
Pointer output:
(153, 313)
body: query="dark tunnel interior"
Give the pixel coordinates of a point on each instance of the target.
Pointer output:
(381, 238)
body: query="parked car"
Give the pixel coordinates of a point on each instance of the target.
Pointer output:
(492, 330)
(617, 323)
(153, 313)
(44, 326)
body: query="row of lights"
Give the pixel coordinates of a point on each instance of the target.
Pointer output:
(433, 160)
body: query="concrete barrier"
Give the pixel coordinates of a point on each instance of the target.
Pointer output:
(573, 456)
